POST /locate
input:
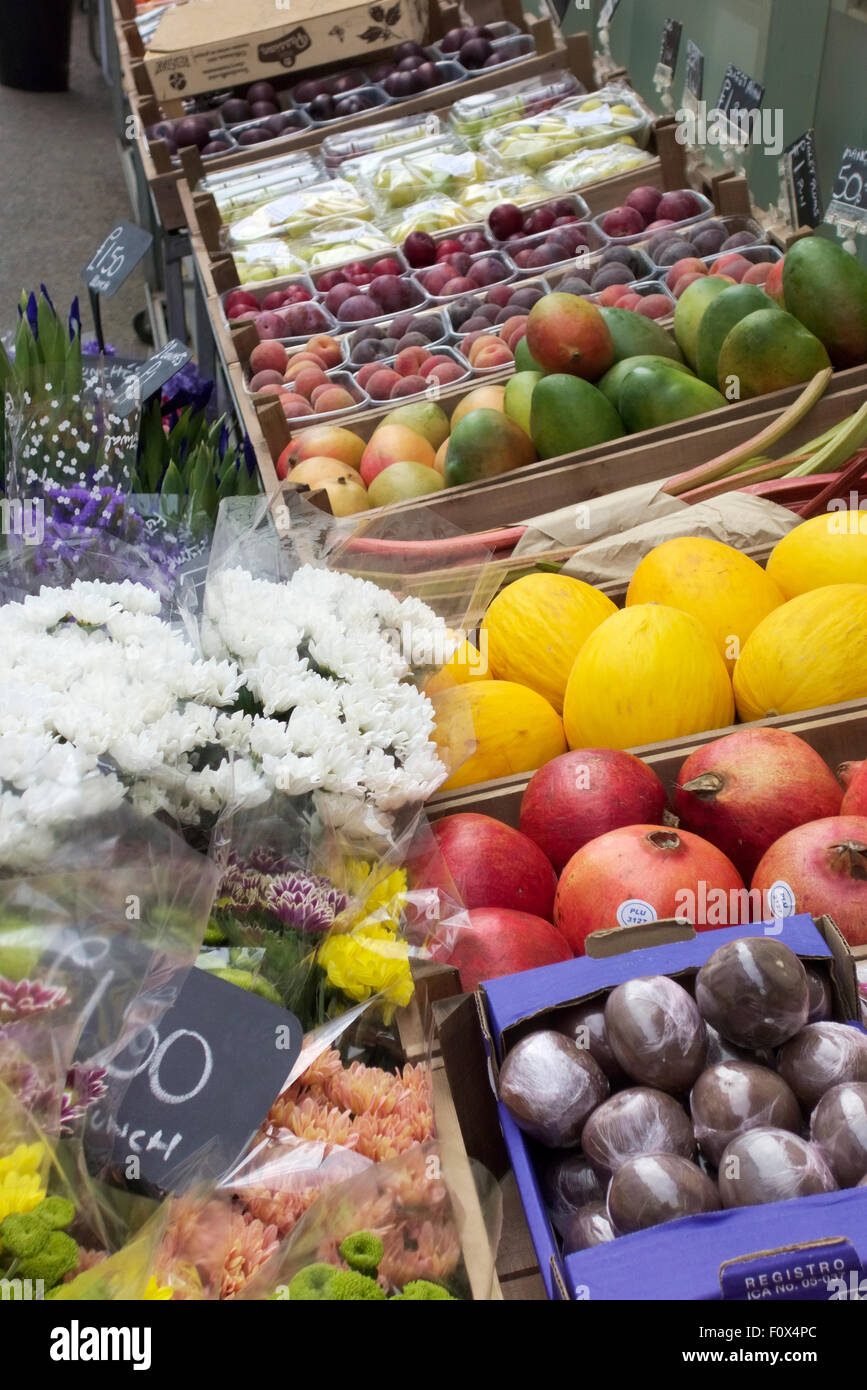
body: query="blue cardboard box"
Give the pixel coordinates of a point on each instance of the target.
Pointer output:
(784, 1250)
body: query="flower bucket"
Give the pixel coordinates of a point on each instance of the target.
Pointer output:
(34, 44)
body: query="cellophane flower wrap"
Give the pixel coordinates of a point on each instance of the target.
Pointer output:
(93, 950)
(427, 1216)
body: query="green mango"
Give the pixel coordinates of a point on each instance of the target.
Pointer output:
(568, 414)
(826, 289)
(524, 359)
(719, 318)
(519, 397)
(612, 382)
(690, 311)
(637, 336)
(653, 396)
(769, 350)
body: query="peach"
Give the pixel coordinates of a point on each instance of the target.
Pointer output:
(294, 407)
(410, 361)
(757, 274)
(655, 306)
(307, 379)
(411, 385)
(267, 378)
(363, 375)
(482, 341)
(327, 349)
(328, 398)
(269, 356)
(381, 384)
(391, 444)
(685, 266)
(685, 281)
(730, 258)
(495, 355)
(444, 370)
(611, 295)
(298, 362)
(318, 440)
(270, 390)
(719, 275)
(629, 301)
(513, 330)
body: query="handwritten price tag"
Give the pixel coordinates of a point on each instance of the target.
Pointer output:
(116, 258)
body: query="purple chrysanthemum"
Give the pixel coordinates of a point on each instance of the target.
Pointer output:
(84, 1086)
(307, 902)
(24, 998)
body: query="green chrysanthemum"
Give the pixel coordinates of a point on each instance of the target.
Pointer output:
(55, 1212)
(362, 1252)
(422, 1291)
(349, 1285)
(312, 1283)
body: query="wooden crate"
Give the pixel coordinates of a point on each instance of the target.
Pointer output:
(650, 456)
(836, 732)
(552, 52)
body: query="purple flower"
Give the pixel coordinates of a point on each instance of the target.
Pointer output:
(84, 1086)
(33, 314)
(74, 320)
(28, 997)
(92, 349)
(186, 388)
(307, 902)
(47, 297)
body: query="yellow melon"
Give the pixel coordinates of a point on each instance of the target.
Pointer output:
(536, 627)
(648, 673)
(812, 651)
(491, 729)
(467, 664)
(827, 549)
(726, 591)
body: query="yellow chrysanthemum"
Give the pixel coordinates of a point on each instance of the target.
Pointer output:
(154, 1291)
(20, 1193)
(370, 960)
(26, 1158)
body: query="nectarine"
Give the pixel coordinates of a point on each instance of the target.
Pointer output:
(268, 356)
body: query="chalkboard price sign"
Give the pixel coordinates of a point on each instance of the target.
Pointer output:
(200, 1082)
(802, 179)
(851, 183)
(739, 92)
(694, 70)
(151, 376)
(116, 258)
(670, 46)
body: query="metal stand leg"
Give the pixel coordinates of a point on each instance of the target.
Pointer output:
(175, 246)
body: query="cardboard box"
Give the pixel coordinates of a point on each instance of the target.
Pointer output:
(206, 45)
(750, 1252)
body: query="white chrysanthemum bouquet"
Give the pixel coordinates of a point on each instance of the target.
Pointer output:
(302, 688)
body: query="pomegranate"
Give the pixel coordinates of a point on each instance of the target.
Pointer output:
(501, 942)
(820, 868)
(743, 791)
(488, 864)
(640, 873)
(854, 779)
(584, 793)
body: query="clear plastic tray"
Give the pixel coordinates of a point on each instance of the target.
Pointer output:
(703, 211)
(446, 169)
(341, 239)
(384, 324)
(260, 289)
(269, 259)
(450, 73)
(442, 351)
(433, 214)
(645, 288)
(161, 128)
(577, 208)
(590, 165)
(296, 213)
(479, 198)
(730, 225)
(579, 123)
(294, 121)
(473, 115)
(458, 330)
(293, 351)
(361, 170)
(353, 144)
(587, 253)
(248, 185)
(498, 29)
(368, 261)
(421, 276)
